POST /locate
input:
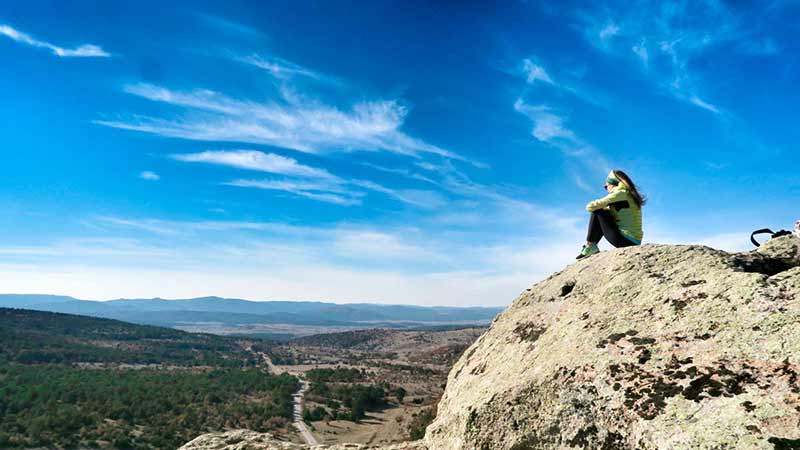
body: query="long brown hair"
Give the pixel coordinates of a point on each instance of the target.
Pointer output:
(626, 180)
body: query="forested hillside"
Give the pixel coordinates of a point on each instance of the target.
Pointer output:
(71, 381)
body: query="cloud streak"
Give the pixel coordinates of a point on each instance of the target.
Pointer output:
(149, 175)
(305, 181)
(82, 51)
(534, 72)
(327, 192)
(549, 128)
(255, 160)
(665, 39)
(288, 122)
(279, 68)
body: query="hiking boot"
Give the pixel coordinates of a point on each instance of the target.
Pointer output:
(588, 250)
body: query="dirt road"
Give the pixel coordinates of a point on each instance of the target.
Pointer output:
(298, 415)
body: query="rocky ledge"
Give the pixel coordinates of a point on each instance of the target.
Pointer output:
(251, 440)
(642, 348)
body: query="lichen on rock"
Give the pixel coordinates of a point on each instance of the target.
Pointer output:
(251, 440)
(651, 347)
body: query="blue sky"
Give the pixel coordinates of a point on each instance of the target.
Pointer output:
(386, 151)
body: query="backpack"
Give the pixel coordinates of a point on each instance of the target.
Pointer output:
(773, 234)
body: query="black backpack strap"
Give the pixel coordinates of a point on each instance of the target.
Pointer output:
(761, 231)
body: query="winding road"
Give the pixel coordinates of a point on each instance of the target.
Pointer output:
(298, 415)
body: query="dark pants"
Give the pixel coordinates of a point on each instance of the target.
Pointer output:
(602, 224)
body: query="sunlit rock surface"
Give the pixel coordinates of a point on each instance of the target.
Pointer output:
(251, 440)
(652, 347)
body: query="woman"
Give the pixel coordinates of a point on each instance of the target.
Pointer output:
(617, 216)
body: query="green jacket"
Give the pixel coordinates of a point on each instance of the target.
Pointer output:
(625, 211)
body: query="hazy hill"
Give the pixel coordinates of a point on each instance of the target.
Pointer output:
(44, 337)
(238, 311)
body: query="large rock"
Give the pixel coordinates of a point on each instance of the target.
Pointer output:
(652, 347)
(642, 348)
(251, 440)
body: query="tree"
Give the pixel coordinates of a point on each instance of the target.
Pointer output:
(400, 393)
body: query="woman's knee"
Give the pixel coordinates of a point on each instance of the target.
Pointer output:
(601, 213)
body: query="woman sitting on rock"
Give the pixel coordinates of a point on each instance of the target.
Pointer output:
(617, 216)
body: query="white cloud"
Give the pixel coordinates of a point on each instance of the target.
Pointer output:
(421, 198)
(255, 160)
(548, 127)
(88, 248)
(608, 32)
(337, 191)
(291, 122)
(342, 262)
(682, 31)
(279, 68)
(705, 105)
(302, 180)
(379, 245)
(305, 181)
(403, 172)
(534, 72)
(761, 47)
(227, 25)
(85, 50)
(148, 175)
(150, 225)
(641, 51)
(321, 191)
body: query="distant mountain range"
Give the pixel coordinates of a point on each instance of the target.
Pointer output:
(231, 311)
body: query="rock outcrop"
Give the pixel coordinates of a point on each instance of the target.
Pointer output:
(652, 347)
(251, 440)
(642, 348)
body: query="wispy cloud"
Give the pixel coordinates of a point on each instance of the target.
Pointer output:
(763, 47)
(227, 25)
(549, 128)
(82, 51)
(327, 192)
(305, 181)
(279, 68)
(705, 105)
(289, 122)
(608, 31)
(255, 160)
(534, 72)
(567, 81)
(405, 172)
(416, 197)
(666, 38)
(149, 175)
(640, 50)
(153, 226)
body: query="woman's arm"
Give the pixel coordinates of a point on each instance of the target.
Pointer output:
(613, 197)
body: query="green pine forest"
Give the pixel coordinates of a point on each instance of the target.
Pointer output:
(79, 382)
